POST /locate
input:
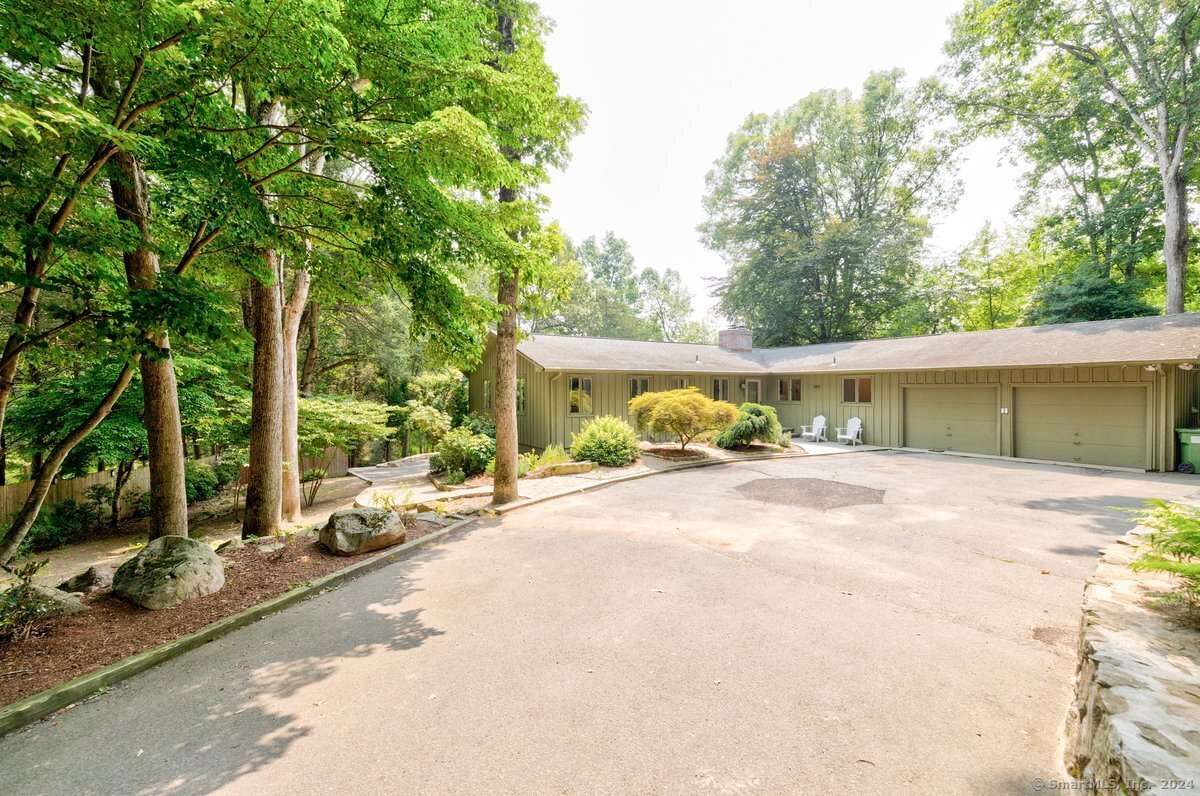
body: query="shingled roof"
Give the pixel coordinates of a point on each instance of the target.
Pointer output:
(1158, 339)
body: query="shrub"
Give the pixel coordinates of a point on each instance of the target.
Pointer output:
(755, 422)
(1173, 546)
(478, 423)
(555, 454)
(455, 477)
(462, 451)
(21, 606)
(433, 424)
(228, 468)
(682, 414)
(607, 440)
(525, 463)
(66, 521)
(138, 500)
(199, 480)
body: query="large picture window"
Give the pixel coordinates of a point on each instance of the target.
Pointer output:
(638, 385)
(789, 389)
(856, 390)
(579, 395)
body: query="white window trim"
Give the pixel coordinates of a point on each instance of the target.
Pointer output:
(485, 398)
(632, 376)
(686, 382)
(789, 382)
(591, 394)
(521, 388)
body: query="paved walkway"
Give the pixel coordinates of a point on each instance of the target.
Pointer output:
(697, 631)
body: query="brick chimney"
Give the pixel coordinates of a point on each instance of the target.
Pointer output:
(738, 338)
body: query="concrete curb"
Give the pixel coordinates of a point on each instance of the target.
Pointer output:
(644, 474)
(42, 704)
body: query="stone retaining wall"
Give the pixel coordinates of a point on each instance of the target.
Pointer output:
(1135, 723)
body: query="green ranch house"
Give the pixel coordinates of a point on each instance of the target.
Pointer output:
(1107, 393)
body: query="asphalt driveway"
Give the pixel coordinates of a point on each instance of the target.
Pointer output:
(728, 630)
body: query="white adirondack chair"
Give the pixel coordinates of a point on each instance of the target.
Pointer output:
(852, 433)
(816, 432)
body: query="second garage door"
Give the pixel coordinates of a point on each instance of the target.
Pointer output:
(1089, 425)
(952, 419)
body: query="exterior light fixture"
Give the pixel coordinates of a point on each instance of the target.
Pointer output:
(1186, 366)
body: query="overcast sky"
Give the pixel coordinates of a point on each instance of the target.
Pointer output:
(667, 82)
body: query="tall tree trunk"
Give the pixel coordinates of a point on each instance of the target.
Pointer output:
(1176, 238)
(264, 490)
(44, 475)
(504, 478)
(293, 310)
(124, 470)
(168, 495)
(311, 324)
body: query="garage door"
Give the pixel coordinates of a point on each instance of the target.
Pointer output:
(1089, 425)
(952, 419)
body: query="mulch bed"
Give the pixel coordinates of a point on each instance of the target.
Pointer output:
(674, 454)
(65, 647)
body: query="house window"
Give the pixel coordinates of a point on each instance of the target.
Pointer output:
(680, 382)
(789, 389)
(856, 390)
(521, 395)
(638, 385)
(487, 395)
(579, 395)
(720, 390)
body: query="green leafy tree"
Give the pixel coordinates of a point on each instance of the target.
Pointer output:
(1085, 81)
(328, 423)
(682, 414)
(819, 211)
(1085, 296)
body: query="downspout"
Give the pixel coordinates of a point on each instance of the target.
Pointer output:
(553, 409)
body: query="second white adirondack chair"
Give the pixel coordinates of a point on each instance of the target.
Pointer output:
(816, 432)
(852, 433)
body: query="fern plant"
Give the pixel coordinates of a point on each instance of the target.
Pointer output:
(1172, 546)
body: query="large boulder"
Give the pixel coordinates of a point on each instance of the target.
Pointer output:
(168, 571)
(361, 530)
(93, 579)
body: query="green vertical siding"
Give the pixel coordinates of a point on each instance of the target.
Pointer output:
(1173, 397)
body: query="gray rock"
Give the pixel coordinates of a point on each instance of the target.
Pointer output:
(64, 602)
(361, 530)
(230, 544)
(93, 579)
(168, 571)
(432, 516)
(273, 547)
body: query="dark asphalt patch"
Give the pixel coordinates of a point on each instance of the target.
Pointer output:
(809, 493)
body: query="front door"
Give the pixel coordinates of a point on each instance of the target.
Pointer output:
(754, 391)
